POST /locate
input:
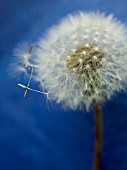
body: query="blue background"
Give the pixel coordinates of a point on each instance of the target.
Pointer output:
(36, 135)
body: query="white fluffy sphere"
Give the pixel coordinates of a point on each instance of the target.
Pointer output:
(82, 58)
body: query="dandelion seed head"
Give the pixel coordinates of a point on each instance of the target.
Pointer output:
(83, 58)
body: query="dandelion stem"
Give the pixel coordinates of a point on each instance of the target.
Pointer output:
(98, 136)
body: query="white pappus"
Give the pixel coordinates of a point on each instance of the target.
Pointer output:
(82, 58)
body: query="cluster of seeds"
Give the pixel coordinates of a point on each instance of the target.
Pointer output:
(85, 61)
(81, 59)
(85, 58)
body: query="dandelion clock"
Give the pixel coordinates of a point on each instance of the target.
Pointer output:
(80, 63)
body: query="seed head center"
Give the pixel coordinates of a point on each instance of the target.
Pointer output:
(84, 58)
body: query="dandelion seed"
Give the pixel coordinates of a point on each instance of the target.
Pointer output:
(73, 50)
(86, 45)
(96, 48)
(84, 53)
(85, 36)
